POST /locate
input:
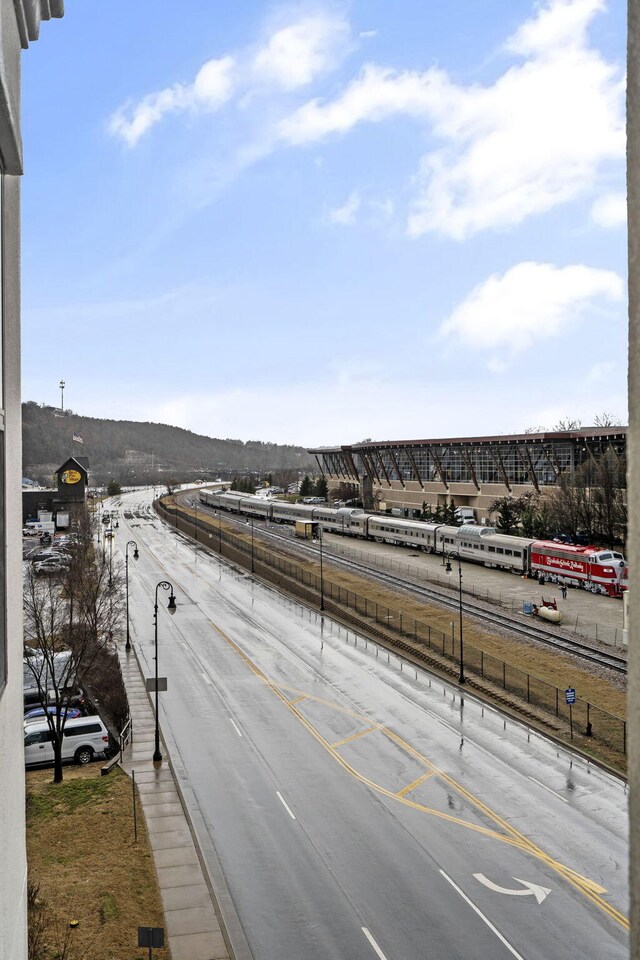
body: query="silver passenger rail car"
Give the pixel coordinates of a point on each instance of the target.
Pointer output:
(411, 533)
(486, 546)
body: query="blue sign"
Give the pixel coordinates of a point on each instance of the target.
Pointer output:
(570, 696)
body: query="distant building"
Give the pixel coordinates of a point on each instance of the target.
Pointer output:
(466, 471)
(20, 25)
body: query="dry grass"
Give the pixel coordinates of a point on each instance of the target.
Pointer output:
(84, 860)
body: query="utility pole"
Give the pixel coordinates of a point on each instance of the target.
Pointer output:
(62, 396)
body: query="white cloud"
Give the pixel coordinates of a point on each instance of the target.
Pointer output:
(528, 304)
(292, 56)
(376, 94)
(367, 34)
(610, 210)
(347, 213)
(210, 89)
(533, 139)
(296, 54)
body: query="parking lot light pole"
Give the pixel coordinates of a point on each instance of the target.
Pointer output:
(171, 606)
(456, 556)
(133, 544)
(320, 532)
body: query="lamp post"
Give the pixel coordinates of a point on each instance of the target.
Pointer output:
(157, 755)
(253, 568)
(320, 532)
(456, 556)
(110, 539)
(62, 396)
(133, 544)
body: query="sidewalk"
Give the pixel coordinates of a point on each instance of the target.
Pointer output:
(193, 931)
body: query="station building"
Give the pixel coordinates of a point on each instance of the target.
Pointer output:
(403, 475)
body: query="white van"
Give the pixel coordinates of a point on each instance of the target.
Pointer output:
(83, 739)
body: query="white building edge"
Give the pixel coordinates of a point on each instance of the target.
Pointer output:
(19, 26)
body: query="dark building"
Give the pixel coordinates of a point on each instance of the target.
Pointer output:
(73, 478)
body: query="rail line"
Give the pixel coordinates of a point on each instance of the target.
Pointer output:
(529, 630)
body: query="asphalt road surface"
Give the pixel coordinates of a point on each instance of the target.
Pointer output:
(358, 809)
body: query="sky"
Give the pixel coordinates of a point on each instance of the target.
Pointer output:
(321, 222)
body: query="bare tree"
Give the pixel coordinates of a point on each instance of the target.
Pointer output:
(605, 419)
(70, 617)
(566, 426)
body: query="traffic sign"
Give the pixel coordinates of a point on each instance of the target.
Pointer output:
(570, 696)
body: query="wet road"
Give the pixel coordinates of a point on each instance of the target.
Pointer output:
(361, 810)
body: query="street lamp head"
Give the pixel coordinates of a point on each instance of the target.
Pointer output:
(448, 568)
(171, 607)
(135, 554)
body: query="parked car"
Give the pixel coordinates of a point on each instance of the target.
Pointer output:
(83, 739)
(37, 713)
(37, 555)
(50, 565)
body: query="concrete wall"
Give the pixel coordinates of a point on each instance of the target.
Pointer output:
(633, 455)
(19, 23)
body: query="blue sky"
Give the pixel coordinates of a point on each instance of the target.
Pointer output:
(318, 222)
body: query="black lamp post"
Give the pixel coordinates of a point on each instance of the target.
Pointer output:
(157, 755)
(456, 556)
(253, 568)
(133, 544)
(320, 531)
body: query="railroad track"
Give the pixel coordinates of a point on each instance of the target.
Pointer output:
(480, 612)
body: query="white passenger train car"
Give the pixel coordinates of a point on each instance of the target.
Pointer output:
(485, 545)
(411, 533)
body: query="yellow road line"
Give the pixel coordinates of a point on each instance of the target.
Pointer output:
(416, 783)
(511, 836)
(354, 736)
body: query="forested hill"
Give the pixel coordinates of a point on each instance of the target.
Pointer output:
(142, 452)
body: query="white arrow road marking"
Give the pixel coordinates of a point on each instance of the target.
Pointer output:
(530, 889)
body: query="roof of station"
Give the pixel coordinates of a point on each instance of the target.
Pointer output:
(584, 433)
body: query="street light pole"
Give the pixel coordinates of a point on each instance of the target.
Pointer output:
(166, 585)
(131, 543)
(253, 568)
(456, 556)
(62, 396)
(320, 530)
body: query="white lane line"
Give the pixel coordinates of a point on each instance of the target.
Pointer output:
(205, 678)
(545, 787)
(373, 943)
(236, 727)
(285, 805)
(495, 930)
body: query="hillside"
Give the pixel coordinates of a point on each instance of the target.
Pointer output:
(132, 452)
